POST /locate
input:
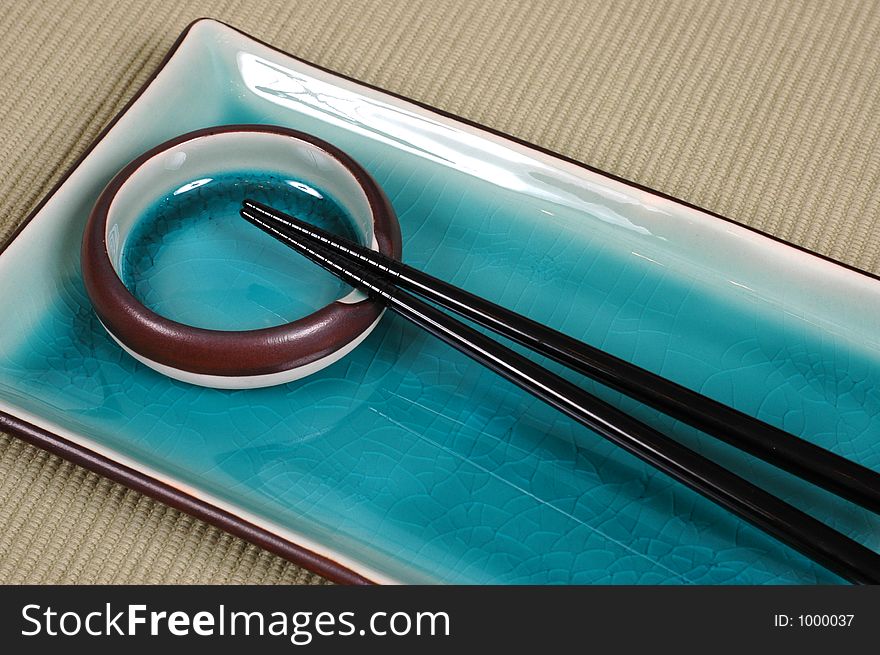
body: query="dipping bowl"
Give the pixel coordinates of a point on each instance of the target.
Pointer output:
(190, 289)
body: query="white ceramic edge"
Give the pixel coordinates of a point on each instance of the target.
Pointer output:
(275, 528)
(250, 381)
(198, 154)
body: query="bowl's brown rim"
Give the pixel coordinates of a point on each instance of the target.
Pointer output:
(241, 353)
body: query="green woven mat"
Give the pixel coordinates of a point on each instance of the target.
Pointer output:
(766, 112)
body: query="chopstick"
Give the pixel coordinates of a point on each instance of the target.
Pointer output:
(820, 466)
(819, 542)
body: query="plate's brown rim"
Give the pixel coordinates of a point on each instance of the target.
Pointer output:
(178, 499)
(200, 509)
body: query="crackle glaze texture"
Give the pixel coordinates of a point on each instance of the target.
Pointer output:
(405, 460)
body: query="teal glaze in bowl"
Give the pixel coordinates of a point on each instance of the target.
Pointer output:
(192, 259)
(405, 461)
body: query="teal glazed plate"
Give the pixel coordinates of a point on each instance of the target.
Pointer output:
(405, 461)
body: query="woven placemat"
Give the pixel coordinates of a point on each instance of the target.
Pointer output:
(766, 112)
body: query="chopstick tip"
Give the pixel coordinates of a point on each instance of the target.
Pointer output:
(245, 213)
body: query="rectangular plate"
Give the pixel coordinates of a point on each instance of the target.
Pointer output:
(405, 461)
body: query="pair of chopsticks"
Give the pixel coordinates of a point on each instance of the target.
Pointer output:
(390, 281)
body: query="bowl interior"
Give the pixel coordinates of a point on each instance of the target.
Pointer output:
(176, 240)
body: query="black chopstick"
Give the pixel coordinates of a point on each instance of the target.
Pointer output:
(823, 544)
(820, 466)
